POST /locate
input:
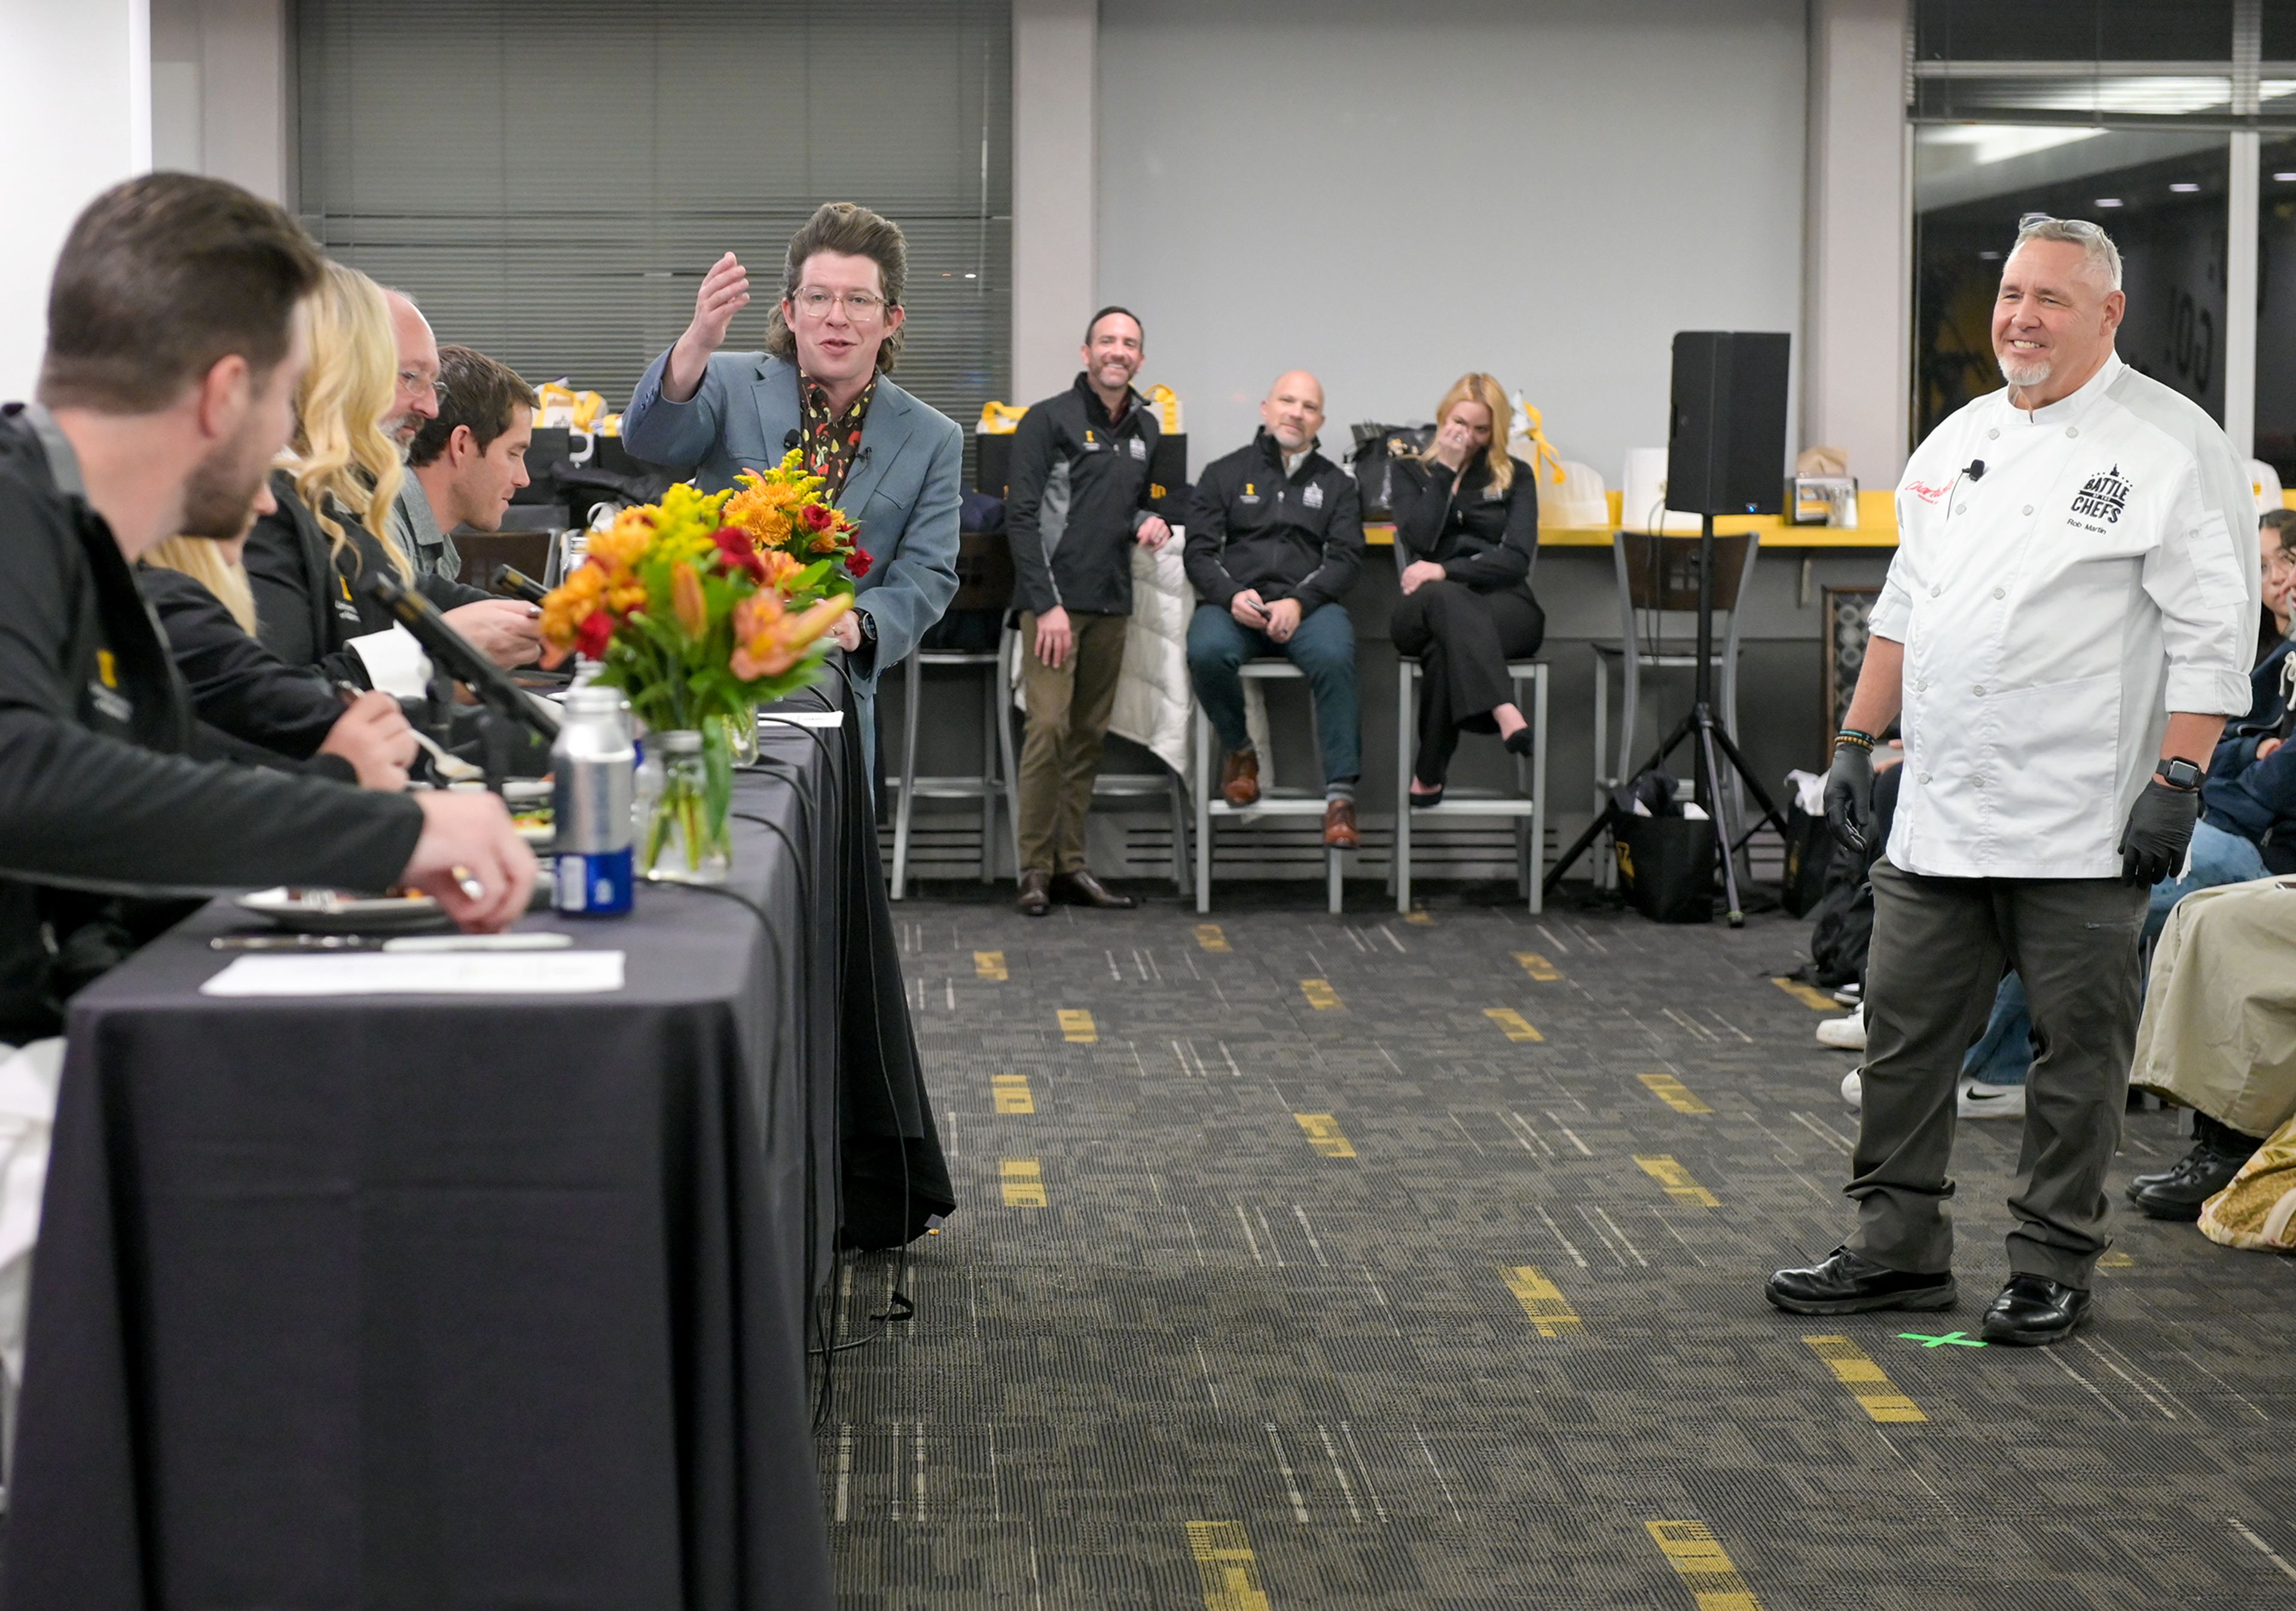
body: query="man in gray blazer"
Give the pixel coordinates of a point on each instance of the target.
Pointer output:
(893, 464)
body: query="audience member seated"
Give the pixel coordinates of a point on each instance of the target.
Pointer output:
(2247, 826)
(251, 705)
(307, 558)
(1466, 531)
(468, 460)
(1274, 542)
(2218, 1036)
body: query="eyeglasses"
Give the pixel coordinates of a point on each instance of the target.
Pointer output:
(860, 305)
(409, 381)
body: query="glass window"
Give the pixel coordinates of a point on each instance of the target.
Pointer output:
(2159, 192)
(2061, 30)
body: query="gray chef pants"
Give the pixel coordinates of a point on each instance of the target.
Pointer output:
(1939, 946)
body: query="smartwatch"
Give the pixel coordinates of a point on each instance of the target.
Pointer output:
(868, 626)
(2180, 773)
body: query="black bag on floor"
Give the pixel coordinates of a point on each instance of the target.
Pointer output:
(1376, 449)
(1665, 866)
(1810, 859)
(1843, 931)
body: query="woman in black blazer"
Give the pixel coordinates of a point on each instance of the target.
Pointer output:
(1466, 531)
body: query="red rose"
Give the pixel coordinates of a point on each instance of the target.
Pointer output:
(595, 632)
(817, 517)
(733, 542)
(858, 565)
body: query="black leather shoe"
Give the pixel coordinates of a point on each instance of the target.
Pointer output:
(2033, 1310)
(1081, 888)
(1035, 897)
(1848, 1283)
(2177, 1192)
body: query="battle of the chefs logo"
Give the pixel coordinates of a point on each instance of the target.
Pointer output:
(2103, 497)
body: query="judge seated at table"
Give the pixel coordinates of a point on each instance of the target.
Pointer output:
(176, 342)
(1274, 542)
(468, 460)
(1466, 532)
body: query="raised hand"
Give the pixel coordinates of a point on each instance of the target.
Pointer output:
(725, 292)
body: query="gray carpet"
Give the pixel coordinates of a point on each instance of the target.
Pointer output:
(1364, 1262)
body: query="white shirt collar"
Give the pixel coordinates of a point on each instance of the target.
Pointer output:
(2067, 409)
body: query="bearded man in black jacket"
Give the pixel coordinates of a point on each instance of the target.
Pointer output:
(175, 341)
(1275, 539)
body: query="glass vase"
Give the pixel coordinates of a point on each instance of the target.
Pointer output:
(741, 736)
(687, 840)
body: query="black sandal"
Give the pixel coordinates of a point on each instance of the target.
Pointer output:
(1421, 801)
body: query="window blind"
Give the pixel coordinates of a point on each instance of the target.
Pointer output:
(550, 182)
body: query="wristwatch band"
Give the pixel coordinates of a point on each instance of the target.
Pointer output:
(2180, 774)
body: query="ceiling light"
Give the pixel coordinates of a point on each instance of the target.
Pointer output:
(2184, 187)
(2285, 179)
(2108, 200)
(1988, 256)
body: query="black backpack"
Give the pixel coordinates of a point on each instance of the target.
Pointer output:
(1376, 449)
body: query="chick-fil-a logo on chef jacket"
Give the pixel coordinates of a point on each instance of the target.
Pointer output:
(1926, 492)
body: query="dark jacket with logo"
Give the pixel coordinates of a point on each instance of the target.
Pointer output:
(1290, 537)
(1077, 498)
(1481, 536)
(308, 601)
(96, 791)
(251, 705)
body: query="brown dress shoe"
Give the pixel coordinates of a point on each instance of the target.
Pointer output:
(1036, 894)
(1081, 888)
(1339, 825)
(1239, 777)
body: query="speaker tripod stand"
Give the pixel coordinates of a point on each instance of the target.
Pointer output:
(1713, 745)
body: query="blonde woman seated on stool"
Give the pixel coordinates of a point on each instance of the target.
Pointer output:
(2219, 1035)
(1466, 525)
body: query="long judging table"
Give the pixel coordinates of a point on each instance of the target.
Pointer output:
(419, 1302)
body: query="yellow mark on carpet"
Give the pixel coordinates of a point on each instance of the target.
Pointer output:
(1511, 1024)
(1673, 1093)
(1704, 1566)
(1320, 995)
(1075, 1024)
(2115, 1261)
(989, 964)
(1012, 1093)
(1538, 967)
(1677, 1181)
(1230, 1571)
(1541, 1299)
(1324, 1135)
(1810, 996)
(1209, 936)
(1418, 915)
(1867, 1383)
(1024, 1182)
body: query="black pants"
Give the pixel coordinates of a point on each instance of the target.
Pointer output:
(1464, 640)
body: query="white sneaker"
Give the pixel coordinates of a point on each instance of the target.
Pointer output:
(1853, 1089)
(1850, 995)
(1844, 1034)
(1978, 1099)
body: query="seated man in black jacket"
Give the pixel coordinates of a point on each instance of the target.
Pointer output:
(175, 344)
(1275, 540)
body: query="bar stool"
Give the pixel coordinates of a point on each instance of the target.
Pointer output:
(1657, 574)
(984, 568)
(1272, 803)
(1526, 805)
(1116, 786)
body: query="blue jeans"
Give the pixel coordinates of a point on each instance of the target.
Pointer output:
(2004, 1052)
(1323, 647)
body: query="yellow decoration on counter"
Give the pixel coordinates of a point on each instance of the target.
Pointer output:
(1542, 451)
(1166, 405)
(1000, 419)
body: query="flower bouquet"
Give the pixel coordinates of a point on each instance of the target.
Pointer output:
(784, 512)
(699, 622)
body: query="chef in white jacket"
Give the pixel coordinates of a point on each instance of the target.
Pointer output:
(2065, 628)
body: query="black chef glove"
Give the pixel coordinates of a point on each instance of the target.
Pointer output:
(1849, 795)
(2159, 830)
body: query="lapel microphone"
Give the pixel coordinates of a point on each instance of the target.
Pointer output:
(1976, 471)
(791, 441)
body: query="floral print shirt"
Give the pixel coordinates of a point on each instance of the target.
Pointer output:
(832, 440)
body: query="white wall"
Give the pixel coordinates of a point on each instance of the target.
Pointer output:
(1055, 232)
(75, 117)
(219, 91)
(1391, 195)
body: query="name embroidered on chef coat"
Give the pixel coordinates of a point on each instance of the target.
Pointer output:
(2103, 497)
(1312, 496)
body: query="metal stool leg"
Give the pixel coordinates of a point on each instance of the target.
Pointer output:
(992, 782)
(913, 685)
(1005, 667)
(1406, 713)
(1538, 791)
(1180, 839)
(1203, 812)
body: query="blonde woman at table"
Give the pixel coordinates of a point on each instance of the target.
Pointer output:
(1466, 531)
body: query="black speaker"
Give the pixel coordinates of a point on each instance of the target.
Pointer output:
(1725, 449)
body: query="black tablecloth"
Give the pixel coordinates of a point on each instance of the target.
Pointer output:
(429, 1301)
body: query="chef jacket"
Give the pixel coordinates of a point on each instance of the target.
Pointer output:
(2098, 574)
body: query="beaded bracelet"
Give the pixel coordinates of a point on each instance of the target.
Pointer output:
(1852, 735)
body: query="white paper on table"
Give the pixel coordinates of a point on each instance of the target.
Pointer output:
(423, 973)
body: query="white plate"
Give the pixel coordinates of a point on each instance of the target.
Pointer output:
(526, 791)
(314, 911)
